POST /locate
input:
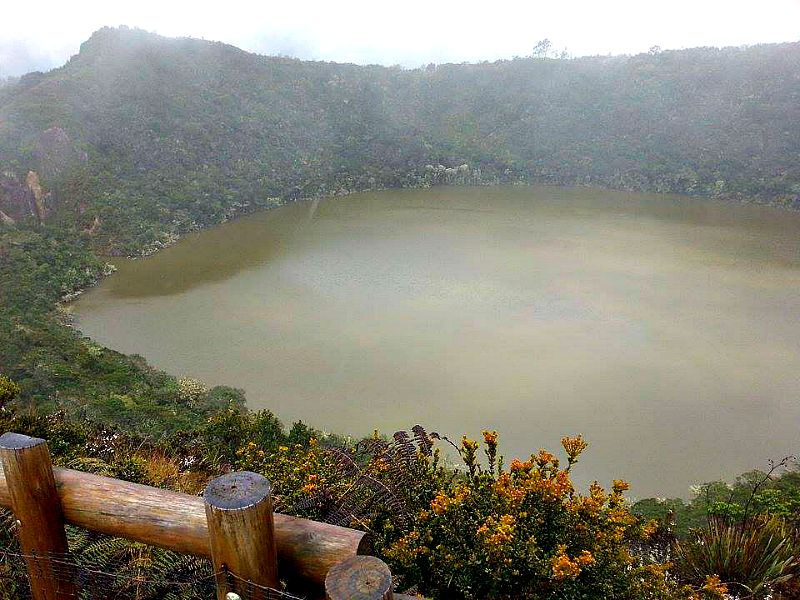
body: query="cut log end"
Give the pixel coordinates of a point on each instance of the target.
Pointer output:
(359, 578)
(237, 490)
(17, 441)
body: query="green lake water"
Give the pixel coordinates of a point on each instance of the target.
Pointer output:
(665, 329)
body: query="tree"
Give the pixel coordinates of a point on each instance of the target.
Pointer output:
(542, 48)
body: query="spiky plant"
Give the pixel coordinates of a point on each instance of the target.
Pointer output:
(751, 557)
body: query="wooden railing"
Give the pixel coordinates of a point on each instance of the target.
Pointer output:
(233, 524)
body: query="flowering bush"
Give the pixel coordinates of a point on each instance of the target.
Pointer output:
(524, 532)
(8, 390)
(296, 471)
(190, 389)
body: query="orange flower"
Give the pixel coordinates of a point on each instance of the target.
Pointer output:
(440, 504)
(563, 567)
(518, 465)
(620, 486)
(715, 587)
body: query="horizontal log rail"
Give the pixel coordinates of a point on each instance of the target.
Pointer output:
(306, 549)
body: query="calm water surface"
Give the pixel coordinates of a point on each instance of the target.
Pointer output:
(665, 329)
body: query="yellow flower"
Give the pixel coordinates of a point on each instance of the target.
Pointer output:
(468, 444)
(442, 501)
(650, 527)
(496, 533)
(544, 457)
(715, 587)
(573, 447)
(597, 493)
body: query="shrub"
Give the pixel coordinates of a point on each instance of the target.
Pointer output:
(296, 472)
(8, 390)
(190, 389)
(524, 532)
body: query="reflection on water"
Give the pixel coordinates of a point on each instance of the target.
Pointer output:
(664, 329)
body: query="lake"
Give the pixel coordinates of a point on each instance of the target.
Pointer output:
(665, 329)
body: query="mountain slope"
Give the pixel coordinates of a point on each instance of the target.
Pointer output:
(182, 133)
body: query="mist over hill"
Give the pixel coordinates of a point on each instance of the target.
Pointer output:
(140, 137)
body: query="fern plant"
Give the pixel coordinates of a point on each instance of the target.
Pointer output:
(110, 567)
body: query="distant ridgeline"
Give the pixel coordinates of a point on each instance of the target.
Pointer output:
(139, 137)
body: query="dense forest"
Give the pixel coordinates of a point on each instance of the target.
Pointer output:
(139, 139)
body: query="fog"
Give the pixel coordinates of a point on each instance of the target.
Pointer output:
(410, 33)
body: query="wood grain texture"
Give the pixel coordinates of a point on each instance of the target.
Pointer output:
(34, 500)
(241, 533)
(359, 578)
(306, 549)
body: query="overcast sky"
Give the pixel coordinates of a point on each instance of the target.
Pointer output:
(410, 33)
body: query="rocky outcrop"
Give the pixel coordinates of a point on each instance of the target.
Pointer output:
(92, 229)
(23, 199)
(6, 220)
(57, 159)
(32, 181)
(16, 198)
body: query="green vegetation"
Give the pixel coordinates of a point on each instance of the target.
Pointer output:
(776, 493)
(753, 556)
(55, 367)
(747, 534)
(139, 139)
(521, 532)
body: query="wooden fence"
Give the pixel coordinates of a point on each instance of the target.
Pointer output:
(232, 524)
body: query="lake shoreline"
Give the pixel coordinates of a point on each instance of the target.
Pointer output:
(789, 206)
(392, 262)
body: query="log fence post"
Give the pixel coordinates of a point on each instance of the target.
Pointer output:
(241, 533)
(28, 474)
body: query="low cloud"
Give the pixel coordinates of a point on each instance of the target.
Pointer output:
(411, 33)
(18, 57)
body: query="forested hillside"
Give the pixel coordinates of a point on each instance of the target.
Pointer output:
(155, 136)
